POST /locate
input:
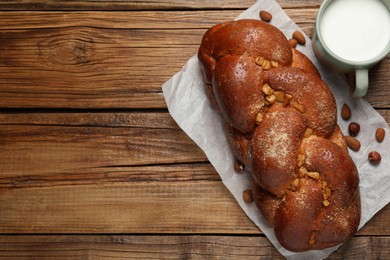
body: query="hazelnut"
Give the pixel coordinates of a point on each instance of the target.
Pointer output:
(353, 129)
(374, 157)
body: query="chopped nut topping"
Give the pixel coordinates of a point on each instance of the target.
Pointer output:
(295, 184)
(274, 64)
(312, 240)
(287, 99)
(271, 99)
(267, 89)
(279, 96)
(328, 192)
(259, 61)
(302, 171)
(301, 159)
(259, 118)
(314, 175)
(298, 106)
(326, 203)
(308, 132)
(265, 64)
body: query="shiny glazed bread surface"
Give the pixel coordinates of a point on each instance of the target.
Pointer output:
(281, 123)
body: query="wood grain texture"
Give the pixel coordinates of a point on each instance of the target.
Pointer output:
(144, 5)
(200, 19)
(50, 143)
(59, 149)
(123, 207)
(172, 247)
(88, 61)
(165, 199)
(91, 159)
(115, 172)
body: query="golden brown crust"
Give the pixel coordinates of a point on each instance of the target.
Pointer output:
(281, 123)
(309, 91)
(300, 61)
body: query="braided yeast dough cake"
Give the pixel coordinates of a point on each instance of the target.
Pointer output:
(281, 123)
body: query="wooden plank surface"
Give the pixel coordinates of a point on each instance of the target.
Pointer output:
(145, 174)
(144, 5)
(172, 247)
(82, 62)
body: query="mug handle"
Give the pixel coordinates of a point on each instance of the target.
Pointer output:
(361, 85)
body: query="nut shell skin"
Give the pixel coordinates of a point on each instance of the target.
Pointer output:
(281, 124)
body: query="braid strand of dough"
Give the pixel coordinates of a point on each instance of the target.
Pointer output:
(281, 123)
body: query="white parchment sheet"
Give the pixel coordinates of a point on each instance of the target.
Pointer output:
(188, 105)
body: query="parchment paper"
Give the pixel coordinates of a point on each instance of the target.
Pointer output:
(188, 105)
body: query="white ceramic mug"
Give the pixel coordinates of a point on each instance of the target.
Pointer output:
(352, 36)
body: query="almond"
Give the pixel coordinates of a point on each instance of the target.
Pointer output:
(352, 143)
(293, 43)
(265, 16)
(374, 157)
(380, 134)
(297, 35)
(346, 112)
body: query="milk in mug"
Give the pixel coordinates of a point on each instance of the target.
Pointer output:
(356, 30)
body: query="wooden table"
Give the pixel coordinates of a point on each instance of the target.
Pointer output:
(91, 163)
